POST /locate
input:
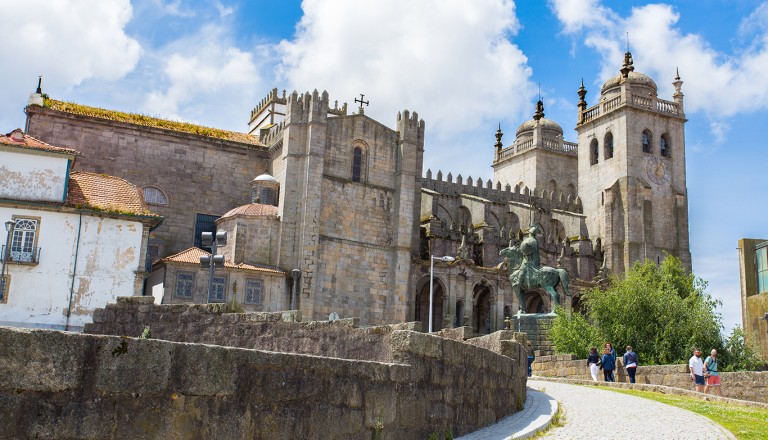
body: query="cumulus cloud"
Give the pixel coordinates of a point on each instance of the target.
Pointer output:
(451, 61)
(201, 72)
(68, 41)
(716, 84)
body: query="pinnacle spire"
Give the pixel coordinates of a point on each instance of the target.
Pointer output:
(39, 90)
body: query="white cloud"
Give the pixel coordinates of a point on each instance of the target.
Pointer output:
(203, 72)
(450, 61)
(67, 41)
(716, 84)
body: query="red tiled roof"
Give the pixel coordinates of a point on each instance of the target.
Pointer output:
(103, 192)
(252, 209)
(17, 138)
(193, 254)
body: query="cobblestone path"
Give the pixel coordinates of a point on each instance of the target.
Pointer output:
(592, 413)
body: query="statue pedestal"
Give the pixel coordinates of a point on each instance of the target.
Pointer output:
(535, 326)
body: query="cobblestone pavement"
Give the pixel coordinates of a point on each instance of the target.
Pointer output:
(591, 413)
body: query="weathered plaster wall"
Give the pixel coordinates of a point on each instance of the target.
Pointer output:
(744, 385)
(104, 264)
(30, 176)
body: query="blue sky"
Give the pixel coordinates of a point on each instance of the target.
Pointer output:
(464, 65)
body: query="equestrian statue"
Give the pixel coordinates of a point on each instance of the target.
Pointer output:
(526, 272)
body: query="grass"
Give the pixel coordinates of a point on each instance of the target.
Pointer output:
(744, 422)
(557, 421)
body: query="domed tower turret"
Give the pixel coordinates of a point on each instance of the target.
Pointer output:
(632, 170)
(265, 190)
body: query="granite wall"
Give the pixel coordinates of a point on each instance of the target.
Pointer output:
(744, 385)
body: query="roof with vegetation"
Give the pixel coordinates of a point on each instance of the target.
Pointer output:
(17, 138)
(106, 193)
(148, 121)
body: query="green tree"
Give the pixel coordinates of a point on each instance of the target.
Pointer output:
(661, 311)
(739, 353)
(573, 333)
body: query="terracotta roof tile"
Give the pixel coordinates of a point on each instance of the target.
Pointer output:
(148, 121)
(103, 192)
(252, 209)
(17, 138)
(193, 254)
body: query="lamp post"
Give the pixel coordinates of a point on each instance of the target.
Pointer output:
(9, 230)
(432, 259)
(213, 261)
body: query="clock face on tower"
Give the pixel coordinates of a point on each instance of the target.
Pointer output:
(657, 170)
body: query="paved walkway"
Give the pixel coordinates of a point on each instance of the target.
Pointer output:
(591, 413)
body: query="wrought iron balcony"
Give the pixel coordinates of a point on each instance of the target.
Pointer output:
(23, 256)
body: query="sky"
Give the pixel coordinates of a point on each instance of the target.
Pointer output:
(465, 66)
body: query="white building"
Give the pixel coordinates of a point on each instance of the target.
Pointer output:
(72, 241)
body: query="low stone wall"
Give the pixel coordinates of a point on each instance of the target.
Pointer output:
(743, 385)
(59, 385)
(277, 331)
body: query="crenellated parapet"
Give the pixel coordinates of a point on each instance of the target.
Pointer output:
(499, 193)
(410, 126)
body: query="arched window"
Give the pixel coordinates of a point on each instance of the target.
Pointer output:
(552, 186)
(357, 164)
(572, 190)
(593, 151)
(608, 146)
(646, 141)
(664, 145)
(154, 196)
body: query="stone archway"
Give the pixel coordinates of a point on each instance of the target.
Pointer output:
(421, 309)
(534, 302)
(577, 305)
(482, 309)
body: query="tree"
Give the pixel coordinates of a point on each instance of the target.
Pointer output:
(740, 353)
(662, 311)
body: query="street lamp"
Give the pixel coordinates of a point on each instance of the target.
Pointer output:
(9, 231)
(432, 259)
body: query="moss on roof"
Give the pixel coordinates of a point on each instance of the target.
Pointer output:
(148, 121)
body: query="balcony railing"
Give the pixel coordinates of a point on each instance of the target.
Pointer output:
(22, 256)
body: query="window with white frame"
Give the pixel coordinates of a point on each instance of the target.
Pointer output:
(218, 290)
(24, 241)
(254, 291)
(185, 283)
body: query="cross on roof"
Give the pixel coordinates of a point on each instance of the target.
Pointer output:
(361, 102)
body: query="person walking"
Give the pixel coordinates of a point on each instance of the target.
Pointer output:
(593, 363)
(531, 357)
(696, 367)
(608, 363)
(630, 363)
(711, 374)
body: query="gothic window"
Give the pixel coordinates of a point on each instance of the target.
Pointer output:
(664, 145)
(254, 291)
(593, 150)
(513, 224)
(357, 164)
(572, 191)
(155, 196)
(204, 223)
(465, 219)
(24, 241)
(608, 146)
(218, 290)
(646, 141)
(552, 186)
(185, 283)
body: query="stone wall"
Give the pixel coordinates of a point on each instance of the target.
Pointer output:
(83, 386)
(198, 174)
(744, 385)
(536, 327)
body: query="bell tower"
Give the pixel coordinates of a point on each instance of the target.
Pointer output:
(631, 160)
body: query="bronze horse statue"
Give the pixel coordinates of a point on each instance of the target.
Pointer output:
(526, 273)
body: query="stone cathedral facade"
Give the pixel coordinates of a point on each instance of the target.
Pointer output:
(331, 211)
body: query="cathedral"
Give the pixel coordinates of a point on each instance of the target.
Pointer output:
(328, 211)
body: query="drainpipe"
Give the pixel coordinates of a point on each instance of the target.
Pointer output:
(295, 274)
(74, 270)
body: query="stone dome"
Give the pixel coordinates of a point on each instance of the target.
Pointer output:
(264, 178)
(544, 123)
(638, 78)
(252, 210)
